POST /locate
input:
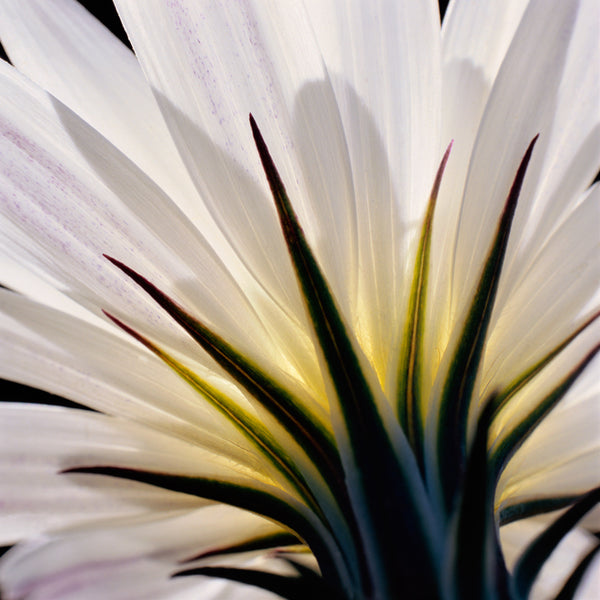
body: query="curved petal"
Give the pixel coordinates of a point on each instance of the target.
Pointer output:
(521, 104)
(38, 442)
(471, 63)
(390, 109)
(121, 378)
(29, 282)
(480, 35)
(134, 559)
(384, 96)
(513, 115)
(561, 457)
(573, 156)
(65, 203)
(475, 39)
(566, 557)
(99, 369)
(550, 299)
(350, 99)
(218, 63)
(66, 51)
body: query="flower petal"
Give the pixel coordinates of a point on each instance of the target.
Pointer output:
(573, 154)
(475, 38)
(66, 51)
(561, 456)
(513, 115)
(549, 301)
(570, 551)
(534, 557)
(67, 202)
(369, 50)
(28, 282)
(101, 370)
(223, 62)
(134, 559)
(37, 442)
(573, 137)
(479, 35)
(390, 106)
(48, 346)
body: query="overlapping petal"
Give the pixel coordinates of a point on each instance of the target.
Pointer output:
(566, 557)
(109, 374)
(92, 206)
(386, 101)
(561, 456)
(132, 184)
(504, 109)
(66, 51)
(218, 64)
(135, 558)
(40, 442)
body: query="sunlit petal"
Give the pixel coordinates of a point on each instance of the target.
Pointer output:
(324, 275)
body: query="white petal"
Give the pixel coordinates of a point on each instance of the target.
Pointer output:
(56, 353)
(44, 440)
(129, 561)
(386, 99)
(547, 304)
(37, 442)
(572, 139)
(566, 557)
(573, 153)
(67, 202)
(96, 368)
(65, 50)
(562, 456)
(217, 63)
(25, 281)
(480, 35)
(390, 107)
(475, 38)
(520, 105)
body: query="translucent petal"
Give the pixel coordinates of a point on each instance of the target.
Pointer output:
(133, 559)
(390, 110)
(513, 115)
(220, 62)
(116, 376)
(550, 299)
(573, 153)
(40, 441)
(66, 51)
(562, 456)
(572, 549)
(66, 203)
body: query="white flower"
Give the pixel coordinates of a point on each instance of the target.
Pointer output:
(312, 325)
